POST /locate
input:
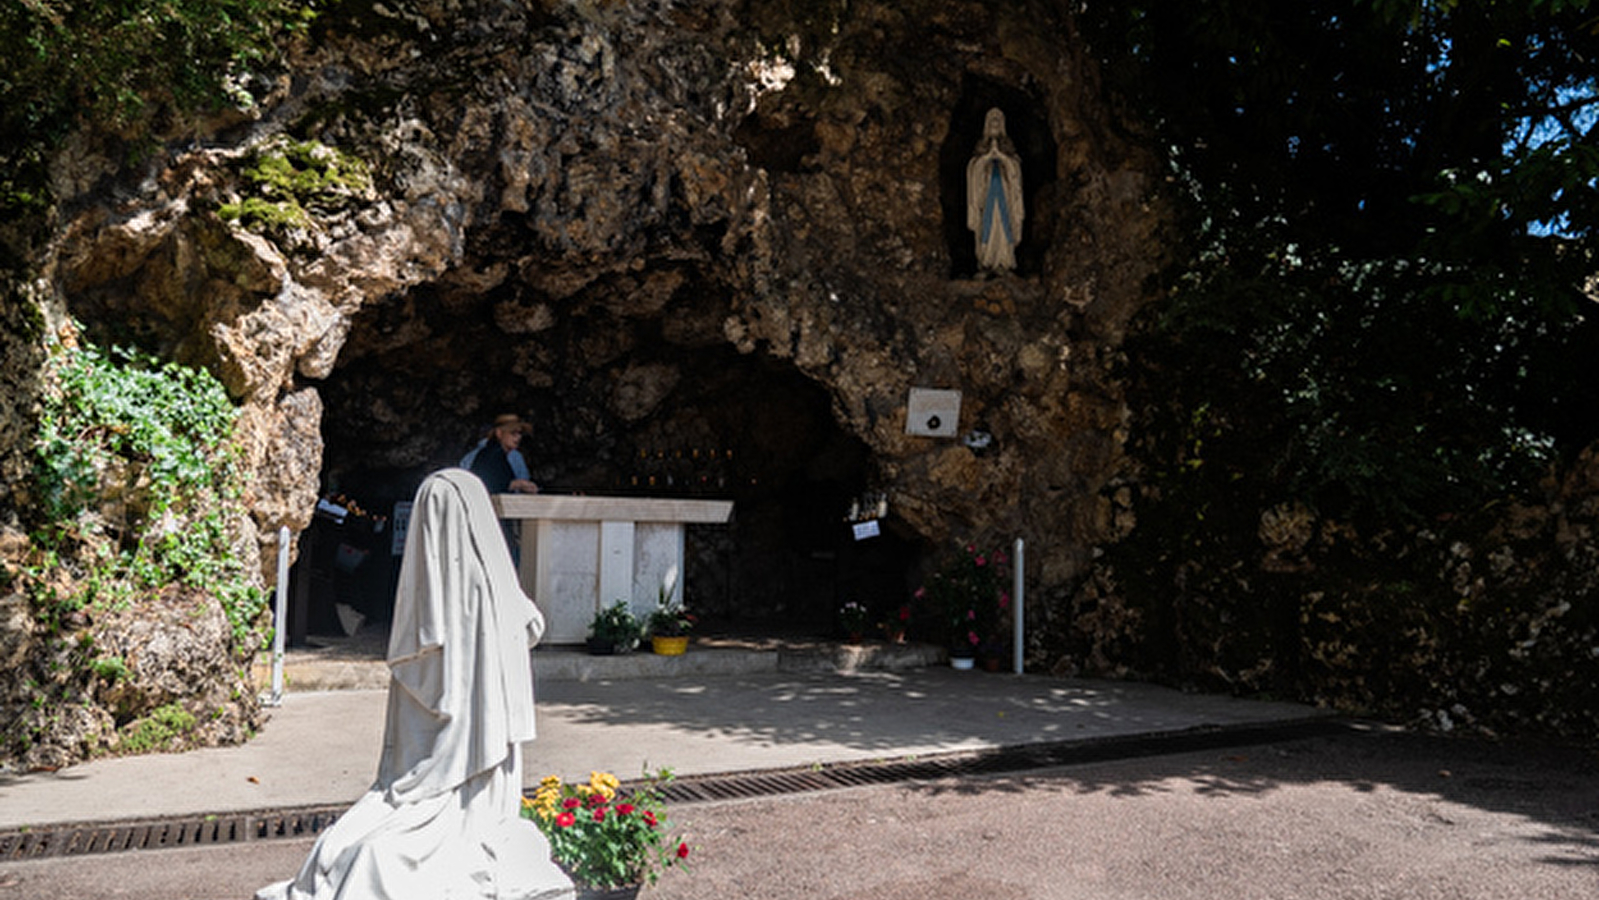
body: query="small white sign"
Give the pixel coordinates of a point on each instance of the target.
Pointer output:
(932, 412)
(867, 529)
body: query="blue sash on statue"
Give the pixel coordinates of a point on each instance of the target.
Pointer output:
(994, 202)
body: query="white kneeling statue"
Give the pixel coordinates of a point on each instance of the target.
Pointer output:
(443, 819)
(994, 196)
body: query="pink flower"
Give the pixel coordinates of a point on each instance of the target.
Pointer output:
(1004, 600)
(971, 636)
(971, 615)
(971, 548)
(921, 592)
(566, 820)
(982, 561)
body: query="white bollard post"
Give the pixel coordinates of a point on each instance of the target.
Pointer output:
(1018, 599)
(280, 620)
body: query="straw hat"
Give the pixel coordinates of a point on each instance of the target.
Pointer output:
(514, 421)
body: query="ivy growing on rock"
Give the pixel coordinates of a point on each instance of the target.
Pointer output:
(137, 481)
(145, 615)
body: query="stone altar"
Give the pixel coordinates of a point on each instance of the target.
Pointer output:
(581, 553)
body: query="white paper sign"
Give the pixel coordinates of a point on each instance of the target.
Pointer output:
(932, 412)
(867, 529)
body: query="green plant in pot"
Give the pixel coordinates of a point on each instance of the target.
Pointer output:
(852, 617)
(670, 623)
(614, 630)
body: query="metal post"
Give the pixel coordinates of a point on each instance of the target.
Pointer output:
(1018, 598)
(280, 622)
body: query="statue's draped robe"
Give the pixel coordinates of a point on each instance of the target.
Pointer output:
(442, 820)
(994, 205)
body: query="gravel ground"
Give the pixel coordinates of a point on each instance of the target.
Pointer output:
(1372, 814)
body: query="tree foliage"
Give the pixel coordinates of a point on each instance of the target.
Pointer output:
(1392, 207)
(64, 63)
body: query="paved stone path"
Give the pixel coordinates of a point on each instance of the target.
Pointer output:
(1355, 815)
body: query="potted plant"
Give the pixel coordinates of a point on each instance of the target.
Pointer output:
(968, 601)
(614, 630)
(670, 623)
(609, 841)
(895, 626)
(853, 617)
(669, 626)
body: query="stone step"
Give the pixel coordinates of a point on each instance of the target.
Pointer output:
(342, 667)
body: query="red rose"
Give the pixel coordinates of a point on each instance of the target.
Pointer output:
(649, 817)
(623, 809)
(682, 851)
(571, 803)
(599, 814)
(566, 820)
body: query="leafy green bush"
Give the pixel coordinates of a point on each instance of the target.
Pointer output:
(67, 62)
(137, 480)
(155, 731)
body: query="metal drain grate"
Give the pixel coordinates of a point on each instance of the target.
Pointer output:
(752, 785)
(113, 837)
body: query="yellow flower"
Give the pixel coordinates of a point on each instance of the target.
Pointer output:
(604, 784)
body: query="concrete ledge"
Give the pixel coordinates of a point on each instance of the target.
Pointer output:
(571, 664)
(341, 668)
(826, 657)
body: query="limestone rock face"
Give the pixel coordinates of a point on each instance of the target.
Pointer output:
(676, 196)
(707, 248)
(597, 214)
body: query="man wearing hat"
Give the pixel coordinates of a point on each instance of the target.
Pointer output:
(497, 460)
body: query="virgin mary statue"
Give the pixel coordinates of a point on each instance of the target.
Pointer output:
(442, 820)
(994, 196)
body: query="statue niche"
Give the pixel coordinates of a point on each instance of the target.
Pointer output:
(996, 167)
(994, 206)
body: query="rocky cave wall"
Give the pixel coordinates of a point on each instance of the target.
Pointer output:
(660, 228)
(655, 228)
(591, 212)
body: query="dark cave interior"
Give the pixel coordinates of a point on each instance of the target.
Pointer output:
(721, 425)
